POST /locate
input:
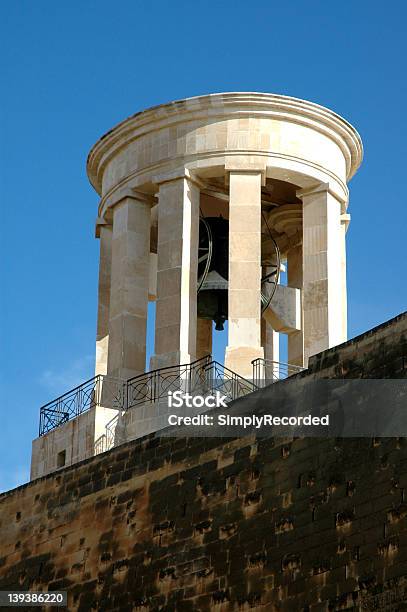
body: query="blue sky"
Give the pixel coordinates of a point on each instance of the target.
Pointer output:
(72, 70)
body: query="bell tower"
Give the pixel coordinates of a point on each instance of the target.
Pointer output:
(228, 207)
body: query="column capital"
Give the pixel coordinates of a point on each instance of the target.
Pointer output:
(176, 175)
(136, 196)
(246, 166)
(127, 192)
(345, 220)
(99, 223)
(141, 196)
(323, 188)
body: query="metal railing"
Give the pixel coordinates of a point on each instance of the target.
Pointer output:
(266, 371)
(228, 383)
(203, 376)
(152, 386)
(98, 391)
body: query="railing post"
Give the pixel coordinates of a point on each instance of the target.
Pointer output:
(255, 372)
(97, 391)
(125, 401)
(78, 401)
(189, 377)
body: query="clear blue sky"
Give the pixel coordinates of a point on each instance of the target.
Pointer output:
(71, 70)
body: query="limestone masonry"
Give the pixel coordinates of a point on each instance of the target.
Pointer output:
(203, 524)
(205, 203)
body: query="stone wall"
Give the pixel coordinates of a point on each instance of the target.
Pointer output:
(204, 524)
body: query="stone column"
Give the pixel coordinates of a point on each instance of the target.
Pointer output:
(129, 287)
(244, 317)
(295, 279)
(177, 247)
(324, 292)
(203, 338)
(104, 233)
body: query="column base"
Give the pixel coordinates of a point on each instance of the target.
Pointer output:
(239, 359)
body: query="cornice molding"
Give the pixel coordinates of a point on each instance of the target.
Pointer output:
(241, 104)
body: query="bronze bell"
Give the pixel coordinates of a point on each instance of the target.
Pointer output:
(213, 270)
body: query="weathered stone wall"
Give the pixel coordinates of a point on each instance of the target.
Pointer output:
(204, 524)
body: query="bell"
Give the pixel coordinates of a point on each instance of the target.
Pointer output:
(213, 270)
